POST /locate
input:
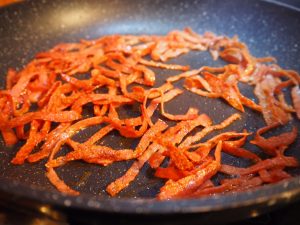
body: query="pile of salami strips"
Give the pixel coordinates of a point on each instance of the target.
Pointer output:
(47, 98)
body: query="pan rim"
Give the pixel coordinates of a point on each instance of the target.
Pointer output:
(283, 192)
(282, 4)
(274, 2)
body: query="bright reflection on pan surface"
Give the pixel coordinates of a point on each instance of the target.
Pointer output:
(74, 17)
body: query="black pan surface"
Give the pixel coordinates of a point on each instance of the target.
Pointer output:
(34, 26)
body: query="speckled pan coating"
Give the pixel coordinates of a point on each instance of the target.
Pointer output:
(34, 26)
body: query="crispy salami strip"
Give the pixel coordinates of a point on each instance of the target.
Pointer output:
(272, 144)
(296, 99)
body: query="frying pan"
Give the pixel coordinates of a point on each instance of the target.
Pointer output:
(33, 26)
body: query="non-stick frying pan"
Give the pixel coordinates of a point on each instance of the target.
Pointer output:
(29, 27)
